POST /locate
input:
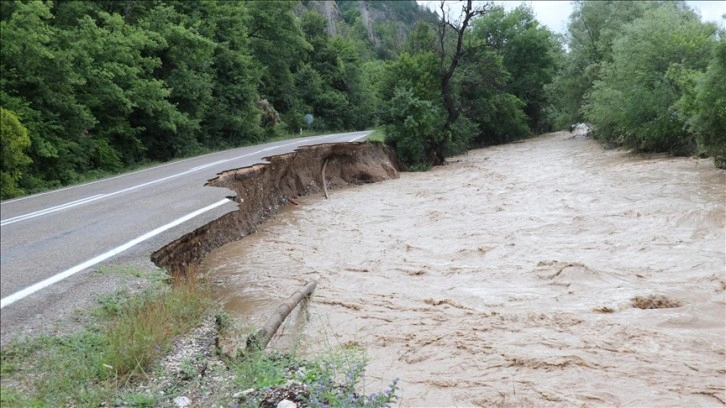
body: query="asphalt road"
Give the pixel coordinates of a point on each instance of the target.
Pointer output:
(49, 237)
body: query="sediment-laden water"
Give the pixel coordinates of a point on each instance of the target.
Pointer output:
(544, 273)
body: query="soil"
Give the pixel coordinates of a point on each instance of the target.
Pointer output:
(544, 273)
(263, 188)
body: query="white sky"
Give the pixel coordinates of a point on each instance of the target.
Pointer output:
(554, 14)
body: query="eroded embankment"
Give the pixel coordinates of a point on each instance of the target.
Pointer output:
(262, 188)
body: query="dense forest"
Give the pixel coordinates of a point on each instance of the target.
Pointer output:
(91, 88)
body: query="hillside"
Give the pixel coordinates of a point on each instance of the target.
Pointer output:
(382, 25)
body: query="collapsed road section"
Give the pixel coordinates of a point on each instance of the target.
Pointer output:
(262, 188)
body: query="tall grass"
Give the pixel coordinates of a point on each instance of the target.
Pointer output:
(145, 328)
(88, 367)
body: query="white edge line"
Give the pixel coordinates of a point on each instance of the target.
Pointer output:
(23, 217)
(359, 137)
(100, 258)
(146, 169)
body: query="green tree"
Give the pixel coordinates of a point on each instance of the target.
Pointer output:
(528, 52)
(451, 33)
(186, 68)
(592, 29)
(708, 117)
(15, 141)
(634, 104)
(279, 48)
(234, 119)
(342, 98)
(499, 115)
(413, 126)
(112, 59)
(39, 82)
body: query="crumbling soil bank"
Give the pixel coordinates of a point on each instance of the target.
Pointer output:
(262, 188)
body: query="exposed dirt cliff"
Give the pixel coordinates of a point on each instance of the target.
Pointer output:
(262, 188)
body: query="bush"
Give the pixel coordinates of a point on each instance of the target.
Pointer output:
(15, 141)
(709, 120)
(413, 128)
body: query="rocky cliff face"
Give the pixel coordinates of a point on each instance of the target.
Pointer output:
(329, 10)
(401, 14)
(262, 188)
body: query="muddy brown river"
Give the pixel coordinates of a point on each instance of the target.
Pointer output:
(544, 273)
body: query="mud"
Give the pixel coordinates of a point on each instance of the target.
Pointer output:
(546, 273)
(262, 188)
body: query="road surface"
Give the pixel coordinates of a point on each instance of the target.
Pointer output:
(49, 237)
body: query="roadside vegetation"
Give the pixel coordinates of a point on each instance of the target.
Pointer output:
(126, 335)
(92, 88)
(115, 359)
(647, 75)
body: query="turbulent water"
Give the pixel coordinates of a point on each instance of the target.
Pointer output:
(544, 273)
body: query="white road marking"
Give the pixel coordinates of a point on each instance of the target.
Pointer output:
(51, 209)
(204, 166)
(359, 137)
(100, 258)
(99, 196)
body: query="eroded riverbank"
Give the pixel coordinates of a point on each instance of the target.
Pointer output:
(507, 278)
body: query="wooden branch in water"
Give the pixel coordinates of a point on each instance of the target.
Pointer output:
(325, 182)
(264, 335)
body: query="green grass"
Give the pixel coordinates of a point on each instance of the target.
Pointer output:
(378, 135)
(332, 379)
(91, 366)
(129, 333)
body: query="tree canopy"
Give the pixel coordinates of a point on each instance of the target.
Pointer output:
(640, 73)
(96, 87)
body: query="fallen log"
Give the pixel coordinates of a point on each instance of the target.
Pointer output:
(325, 182)
(260, 339)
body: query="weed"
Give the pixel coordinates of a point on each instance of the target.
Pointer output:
(137, 399)
(328, 380)
(336, 378)
(89, 367)
(144, 329)
(258, 369)
(378, 135)
(187, 369)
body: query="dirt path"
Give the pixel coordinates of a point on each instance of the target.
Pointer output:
(507, 278)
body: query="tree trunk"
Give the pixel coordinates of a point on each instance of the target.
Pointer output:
(446, 73)
(263, 336)
(325, 182)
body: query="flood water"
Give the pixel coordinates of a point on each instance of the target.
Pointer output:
(507, 277)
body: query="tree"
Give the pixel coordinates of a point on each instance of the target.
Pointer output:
(15, 141)
(448, 61)
(449, 57)
(278, 47)
(186, 69)
(634, 103)
(707, 118)
(592, 29)
(39, 83)
(528, 53)
(410, 117)
(498, 115)
(412, 111)
(235, 118)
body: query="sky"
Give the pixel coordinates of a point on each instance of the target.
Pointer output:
(554, 14)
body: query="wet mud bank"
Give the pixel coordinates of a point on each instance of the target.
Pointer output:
(261, 189)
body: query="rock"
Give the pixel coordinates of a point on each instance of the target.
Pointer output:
(243, 393)
(182, 402)
(286, 404)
